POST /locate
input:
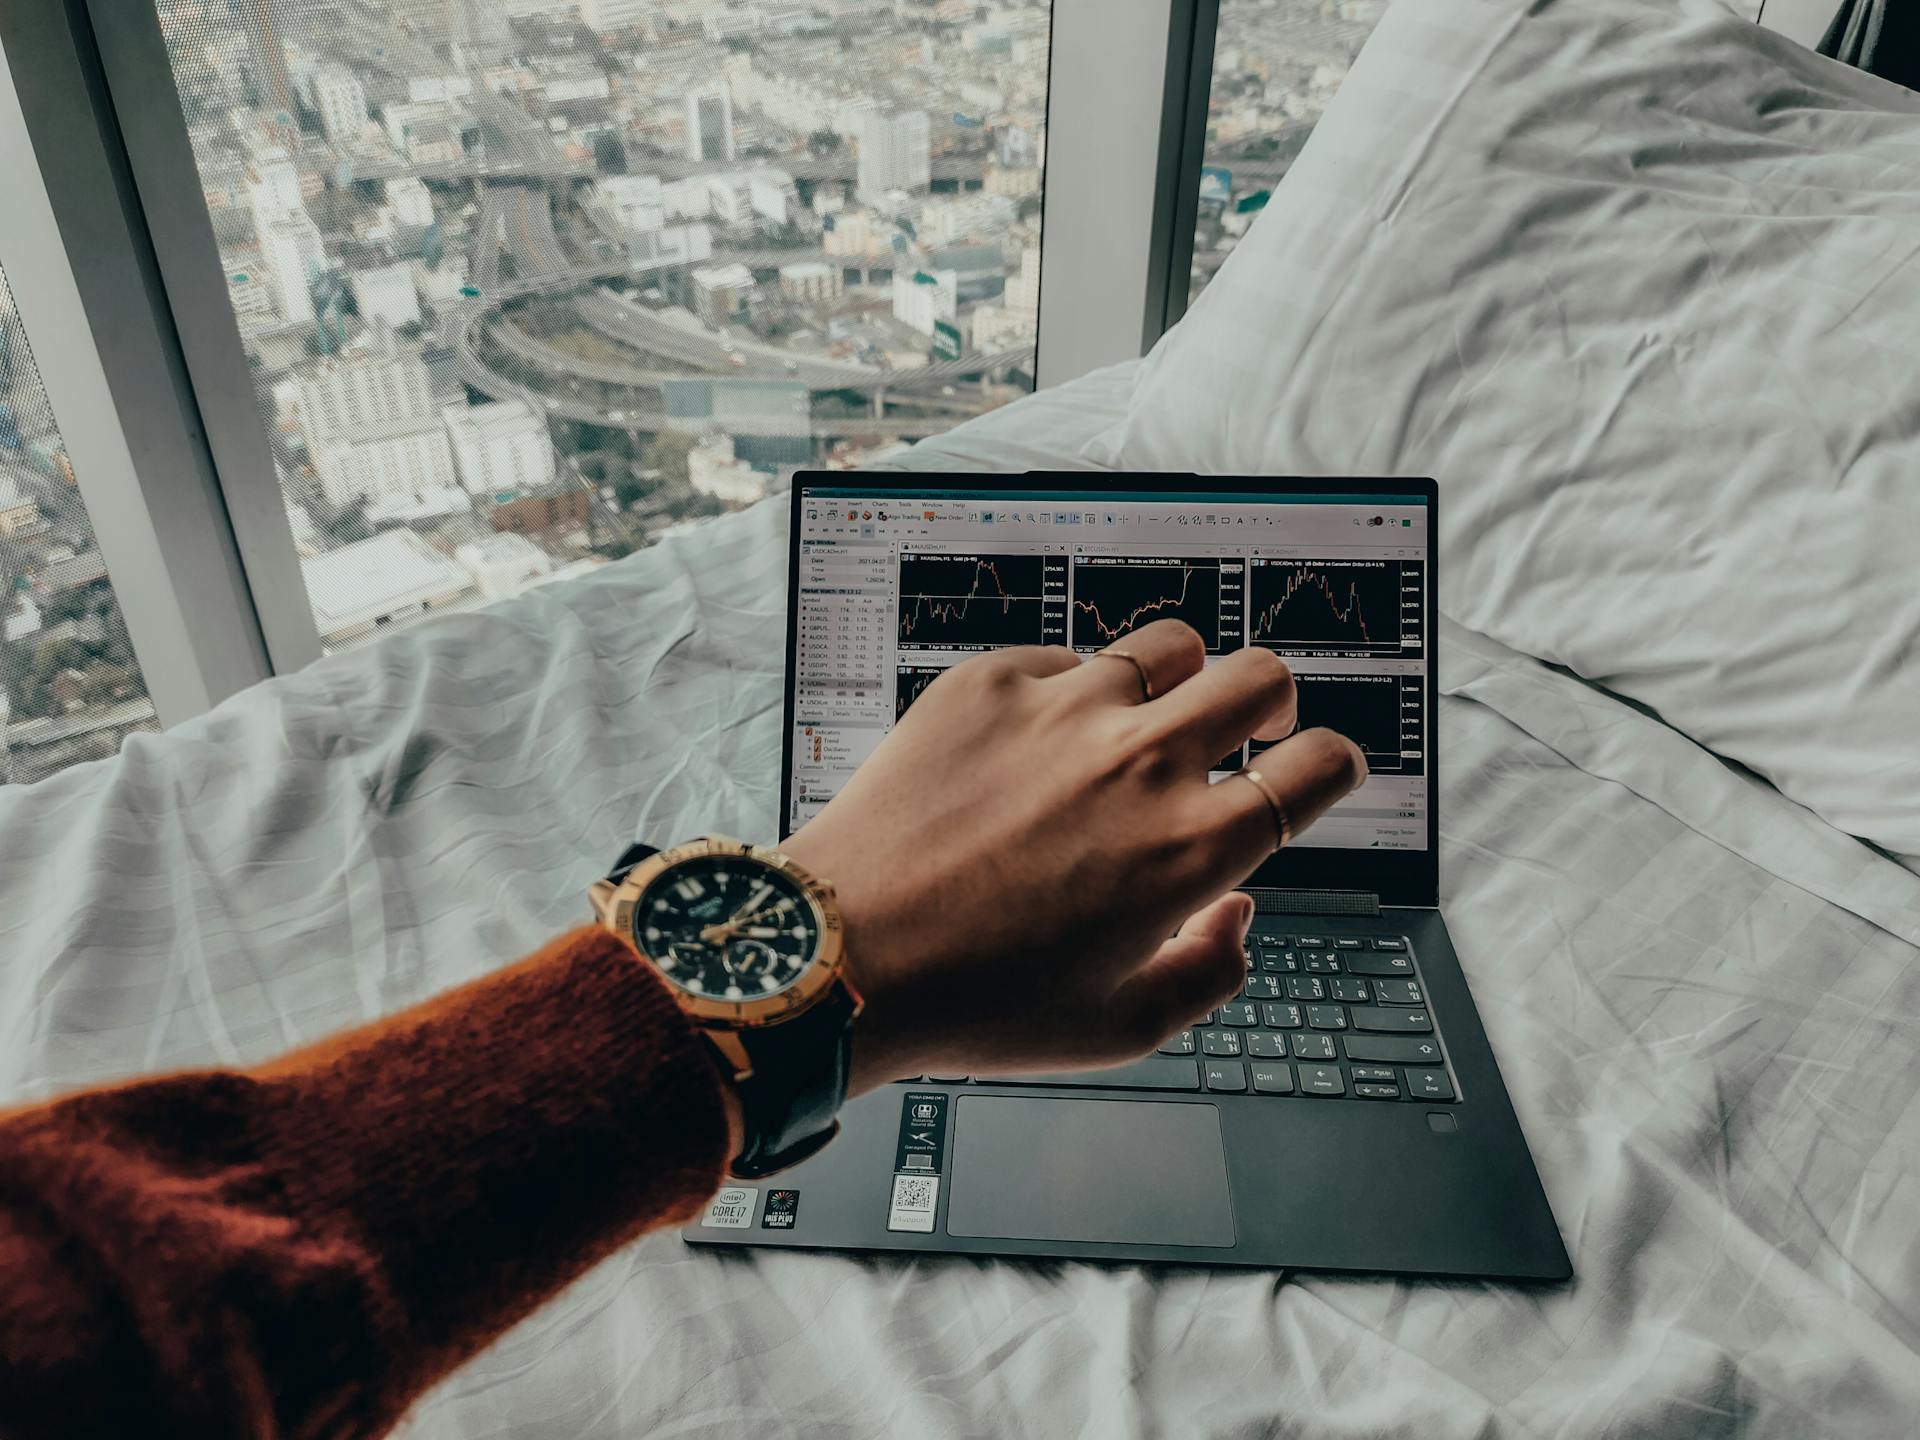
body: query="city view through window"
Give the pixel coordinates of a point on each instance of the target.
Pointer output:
(1276, 64)
(528, 284)
(70, 688)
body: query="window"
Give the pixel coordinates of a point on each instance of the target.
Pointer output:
(1276, 64)
(527, 284)
(70, 687)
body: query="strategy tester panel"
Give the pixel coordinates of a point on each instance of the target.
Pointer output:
(896, 588)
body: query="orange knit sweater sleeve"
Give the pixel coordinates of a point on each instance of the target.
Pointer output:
(300, 1249)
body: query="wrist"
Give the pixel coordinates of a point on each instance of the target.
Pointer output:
(882, 1049)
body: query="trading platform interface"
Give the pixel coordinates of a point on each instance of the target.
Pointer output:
(896, 587)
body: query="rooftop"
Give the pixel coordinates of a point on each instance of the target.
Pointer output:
(359, 583)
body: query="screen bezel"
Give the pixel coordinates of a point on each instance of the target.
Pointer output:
(1397, 877)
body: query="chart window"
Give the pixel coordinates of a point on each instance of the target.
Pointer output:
(896, 589)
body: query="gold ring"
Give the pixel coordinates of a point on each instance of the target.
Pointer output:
(1280, 822)
(1146, 680)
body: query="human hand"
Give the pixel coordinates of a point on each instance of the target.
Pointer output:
(1012, 858)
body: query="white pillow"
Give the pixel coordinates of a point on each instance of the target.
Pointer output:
(1639, 284)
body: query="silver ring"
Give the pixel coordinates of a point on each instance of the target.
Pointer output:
(1139, 668)
(1282, 826)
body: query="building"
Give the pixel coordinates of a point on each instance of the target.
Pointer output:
(714, 469)
(896, 153)
(342, 103)
(710, 123)
(411, 202)
(811, 282)
(606, 16)
(251, 297)
(722, 292)
(979, 271)
(923, 299)
(369, 585)
(637, 202)
(19, 514)
(500, 447)
(730, 198)
(386, 296)
(772, 195)
(965, 217)
(398, 467)
(294, 255)
(503, 565)
(687, 199)
(675, 245)
(854, 235)
(427, 132)
(373, 432)
(1023, 287)
(273, 189)
(769, 421)
(539, 514)
(363, 390)
(267, 62)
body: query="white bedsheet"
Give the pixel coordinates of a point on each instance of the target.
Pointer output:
(1705, 1001)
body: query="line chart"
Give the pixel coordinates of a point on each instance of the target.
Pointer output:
(910, 684)
(1115, 595)
(1383, 714)
(972, 602)
(1351, 607)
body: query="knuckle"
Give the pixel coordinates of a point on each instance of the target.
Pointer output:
(992, 673)
(1273, 670)
(1187, 645)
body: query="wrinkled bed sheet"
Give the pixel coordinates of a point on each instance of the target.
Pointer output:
(1705, 1001)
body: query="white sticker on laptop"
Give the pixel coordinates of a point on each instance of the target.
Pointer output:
(732, 1208)
(914, 1199)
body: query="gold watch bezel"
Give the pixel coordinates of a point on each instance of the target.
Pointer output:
(616, 905)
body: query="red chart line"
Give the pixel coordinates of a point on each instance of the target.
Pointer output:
(1173, 602)
(1300, 580)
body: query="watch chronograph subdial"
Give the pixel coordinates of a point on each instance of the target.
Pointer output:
(754, 961)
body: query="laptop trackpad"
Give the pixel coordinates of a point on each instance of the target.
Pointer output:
(1120, 1171)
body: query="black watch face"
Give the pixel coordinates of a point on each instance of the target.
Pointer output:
(727, 928)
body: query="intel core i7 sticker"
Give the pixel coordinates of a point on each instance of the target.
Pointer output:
(923, 1133)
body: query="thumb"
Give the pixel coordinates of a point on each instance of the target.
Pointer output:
(1200, 968)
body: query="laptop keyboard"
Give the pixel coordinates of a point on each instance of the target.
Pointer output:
(1322, 1015)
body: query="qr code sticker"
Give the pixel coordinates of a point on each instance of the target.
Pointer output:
(914, 1198)
(914, 1195)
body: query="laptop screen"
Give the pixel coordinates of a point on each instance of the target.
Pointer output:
(895, 584)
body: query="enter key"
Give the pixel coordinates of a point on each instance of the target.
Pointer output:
(1391, 1020)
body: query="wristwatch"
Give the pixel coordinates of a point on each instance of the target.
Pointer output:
(751, 946)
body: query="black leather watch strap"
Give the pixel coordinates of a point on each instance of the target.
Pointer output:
(630, 857)
(799, 1082)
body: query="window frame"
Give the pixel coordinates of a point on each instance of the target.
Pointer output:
(83, 284)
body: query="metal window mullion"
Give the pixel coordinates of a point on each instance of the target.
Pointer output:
(1183, 156)
(139, 81)
(189, 660)
(1117, 82)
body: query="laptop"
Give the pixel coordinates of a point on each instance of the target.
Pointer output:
(1344, 1112)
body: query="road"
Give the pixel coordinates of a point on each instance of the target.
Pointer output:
(647, 413)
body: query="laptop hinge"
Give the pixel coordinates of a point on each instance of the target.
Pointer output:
(1314, 902)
